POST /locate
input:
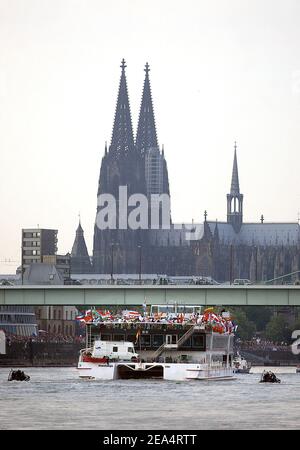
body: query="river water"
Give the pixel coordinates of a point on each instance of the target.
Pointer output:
(55, 398)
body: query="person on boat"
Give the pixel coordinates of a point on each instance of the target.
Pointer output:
(269, 377)
(273, 378)
(18, 375)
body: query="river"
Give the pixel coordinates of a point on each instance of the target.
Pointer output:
(55, 398)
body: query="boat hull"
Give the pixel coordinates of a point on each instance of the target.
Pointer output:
(166, 371)
(241, 370)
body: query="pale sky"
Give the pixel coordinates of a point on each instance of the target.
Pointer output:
(221, 70)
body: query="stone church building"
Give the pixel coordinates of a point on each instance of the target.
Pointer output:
(223, 250)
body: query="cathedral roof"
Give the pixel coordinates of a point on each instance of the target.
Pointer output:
(178, 235)
(287, 234)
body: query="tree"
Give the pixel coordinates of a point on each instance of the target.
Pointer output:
(277, 330)
(260, 315)
(246, 328)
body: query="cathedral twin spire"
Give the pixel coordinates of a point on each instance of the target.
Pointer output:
(146, 137)
(122, 140)
(123, 143)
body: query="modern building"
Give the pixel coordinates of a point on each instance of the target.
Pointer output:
(39, 245)
(37, 242)
(18, 320)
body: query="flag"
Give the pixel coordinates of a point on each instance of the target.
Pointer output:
(86, 317)
(130, 314)
(79, 317)
(138, 333)
(104, 314)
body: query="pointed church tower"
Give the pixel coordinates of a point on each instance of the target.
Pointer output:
(122, 137)
(156, 171)
(80, 260)
(155, 166)
(122, 166)
(146, 137)
(235, 198)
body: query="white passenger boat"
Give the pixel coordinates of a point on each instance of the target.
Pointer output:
(192, 349)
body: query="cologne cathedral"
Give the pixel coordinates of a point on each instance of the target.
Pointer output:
(223, 250)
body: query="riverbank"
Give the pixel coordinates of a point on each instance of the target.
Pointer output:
(49, 354)
(41, 354)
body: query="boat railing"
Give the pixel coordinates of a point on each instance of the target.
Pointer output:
(180, 341)
(159, 351)
(186, 335)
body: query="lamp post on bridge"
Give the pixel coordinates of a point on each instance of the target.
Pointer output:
(231, 264)
(112, 263)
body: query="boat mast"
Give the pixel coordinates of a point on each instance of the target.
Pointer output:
(228, 350)
(211, 347)
(88, 335)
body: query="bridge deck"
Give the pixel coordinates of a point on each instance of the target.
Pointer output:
(137, 295)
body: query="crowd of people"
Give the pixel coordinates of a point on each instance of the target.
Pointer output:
(44, 338)
(262, 344)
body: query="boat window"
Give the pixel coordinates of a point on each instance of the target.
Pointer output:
(171, 338)
(198, 341)
(165, 309)
(162, 309)
(157, 340)
(106, 337)
(115, 349)
(145, 340)
(130, 349)
(118, 337)
(187, 343)
(154, 309)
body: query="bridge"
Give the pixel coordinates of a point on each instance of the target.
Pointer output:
(206, 295)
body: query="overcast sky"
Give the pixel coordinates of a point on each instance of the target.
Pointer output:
(221, 70)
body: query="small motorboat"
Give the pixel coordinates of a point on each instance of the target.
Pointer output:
(18, 375)
(240, 365)
(269, 377)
